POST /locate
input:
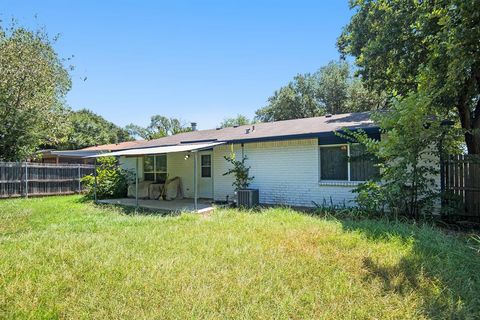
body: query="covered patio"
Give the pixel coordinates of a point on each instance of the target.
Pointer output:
(175, 206)
(194, 203)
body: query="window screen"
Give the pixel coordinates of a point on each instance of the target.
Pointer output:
(149, 168)
(362, 166)
(334, 163)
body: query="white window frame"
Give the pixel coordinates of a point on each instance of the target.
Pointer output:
(155, 172)
(205, 166)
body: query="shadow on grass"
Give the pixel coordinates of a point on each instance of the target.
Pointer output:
(442, 268)
(82, 199)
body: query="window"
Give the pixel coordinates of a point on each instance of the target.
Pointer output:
(155, 168)
(206, 165)
(346, 163)
(334, 163)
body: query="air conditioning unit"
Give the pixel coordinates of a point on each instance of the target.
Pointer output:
(248, 198)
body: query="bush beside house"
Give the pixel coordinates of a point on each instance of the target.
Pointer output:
(112, 180)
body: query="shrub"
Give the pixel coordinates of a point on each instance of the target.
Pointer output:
(112, 180)
(370, 197)
(240, 171)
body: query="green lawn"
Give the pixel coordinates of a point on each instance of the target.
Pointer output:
(63, 258)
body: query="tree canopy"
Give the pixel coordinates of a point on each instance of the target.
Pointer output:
(160, 126)
(239, 120)
(332, 89)
(298, 99)
(87, 129)
(429, 46)
(33, 85)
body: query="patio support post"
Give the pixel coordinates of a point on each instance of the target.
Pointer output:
(195, 187)
(136, 183)
(95, 183)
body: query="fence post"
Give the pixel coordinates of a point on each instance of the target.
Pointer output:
(26, 179)
(79, 180)
(442, 177)
(20, 177)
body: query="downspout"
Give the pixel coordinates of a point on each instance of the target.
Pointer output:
(136, 184)
(95, 182)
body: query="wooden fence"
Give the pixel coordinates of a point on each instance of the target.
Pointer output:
(23, 179)
(461, 186)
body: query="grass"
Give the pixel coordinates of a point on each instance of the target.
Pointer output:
(64, 258)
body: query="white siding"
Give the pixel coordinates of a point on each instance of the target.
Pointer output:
(177, 166)
(128, 163)
(222, 185)
(286, 172)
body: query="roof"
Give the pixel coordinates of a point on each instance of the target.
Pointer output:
(91, 151)
(159, 150)
(115, 146)
(76, 153)
(264, 131)
(67, 153)
(297, 128)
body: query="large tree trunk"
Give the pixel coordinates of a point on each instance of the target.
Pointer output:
(473, 143)
(469, 119)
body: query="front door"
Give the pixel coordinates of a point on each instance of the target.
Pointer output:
(205, 175)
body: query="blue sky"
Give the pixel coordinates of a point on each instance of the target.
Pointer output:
(196, 60)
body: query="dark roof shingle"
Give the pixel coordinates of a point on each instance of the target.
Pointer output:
(269, 130)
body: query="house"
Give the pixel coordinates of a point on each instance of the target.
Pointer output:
(294, 162)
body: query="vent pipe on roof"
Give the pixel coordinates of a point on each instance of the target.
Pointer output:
(194, 126)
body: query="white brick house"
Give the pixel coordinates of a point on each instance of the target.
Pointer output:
(295, 162)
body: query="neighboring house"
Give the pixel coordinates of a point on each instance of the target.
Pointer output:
(80, 156)
(295, 162)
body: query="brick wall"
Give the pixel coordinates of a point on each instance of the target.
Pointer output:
(286, 172)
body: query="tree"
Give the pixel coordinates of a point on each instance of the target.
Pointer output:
(160, 126)
(239, 120)
(407, 157)
(33, 85)
(429, 46)
(333, 85)
(332, 89)
(299, 99)
(361, 99)
(89, 129)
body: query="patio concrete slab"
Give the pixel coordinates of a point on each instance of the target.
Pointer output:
(181, 205)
